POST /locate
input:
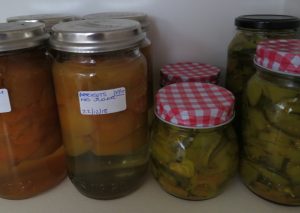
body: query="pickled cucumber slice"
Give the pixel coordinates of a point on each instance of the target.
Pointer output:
(248, 171)
(254, 90)
(276, 93)
(257, 119)
(293, 172)
(288, 122)
(185, 168)
(202, 147)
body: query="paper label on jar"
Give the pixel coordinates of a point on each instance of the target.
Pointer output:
(4, 101)
(102, 102)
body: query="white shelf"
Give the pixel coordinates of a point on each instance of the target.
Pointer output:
(147, 199)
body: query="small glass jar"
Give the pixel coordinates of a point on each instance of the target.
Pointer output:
(48, 19)
(31, 152)
(252, 29)
(193, 145)
(189, 72)
(270, 165)
(145, 47)
(101, 88)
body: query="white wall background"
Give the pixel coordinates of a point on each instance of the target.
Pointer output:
(182, 30)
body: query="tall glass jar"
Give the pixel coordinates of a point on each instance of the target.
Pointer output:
(270, 164)
(48, 19)
(252, 29)
(189, 72)
(31, 154)
(145, 47)
(101, 88)
(193, 145)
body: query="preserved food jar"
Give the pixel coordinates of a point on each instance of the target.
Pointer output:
(252, 29)
(270, 165)
(100, 80)
(193, 145)
(145, 47)
(48, 19)
(189, 72)
(31, 154)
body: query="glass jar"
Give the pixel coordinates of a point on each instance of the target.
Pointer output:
(31, 153)
(252, 29)
(270, 165)
(145, 47)
(48, 19)
(189, 72)
(193, 145)
(101, 88)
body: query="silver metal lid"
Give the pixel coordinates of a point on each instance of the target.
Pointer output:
(137, 16)
(94, 36)
(17, 35)
(48, 19)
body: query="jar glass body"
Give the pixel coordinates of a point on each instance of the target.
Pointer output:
(270, 165)
(240, 56)
(107, 153)
(146, 49)
(193, 164)
(32, 156)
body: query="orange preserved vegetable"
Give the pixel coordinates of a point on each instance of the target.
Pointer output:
(31, 155)
(103, 110)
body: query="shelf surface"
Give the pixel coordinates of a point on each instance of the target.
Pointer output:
(149, 198)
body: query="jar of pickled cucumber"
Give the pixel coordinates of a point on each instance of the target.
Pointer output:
(101, 88)
(145, 47)
(193, 145)
(48, 19)
(252, 29)
(189, 72)
(31, 154)
(270, 165)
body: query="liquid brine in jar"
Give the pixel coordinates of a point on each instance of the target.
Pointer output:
(101, 88)
(270, 165)
(31, 154)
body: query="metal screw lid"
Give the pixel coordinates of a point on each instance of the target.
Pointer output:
(94, 36)
(17, 35)
(48, 19)
(142, 18)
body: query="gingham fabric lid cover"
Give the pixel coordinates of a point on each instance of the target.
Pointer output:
(194, 104)
(279, 55)
(189, 72)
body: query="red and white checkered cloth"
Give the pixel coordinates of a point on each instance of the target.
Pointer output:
(194, 104)
(279, 55)
(189, 72)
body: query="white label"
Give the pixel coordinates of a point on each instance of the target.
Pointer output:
(102, 102)
(4, 101)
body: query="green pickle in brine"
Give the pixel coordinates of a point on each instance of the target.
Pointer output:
(193, 164)
(270, 164)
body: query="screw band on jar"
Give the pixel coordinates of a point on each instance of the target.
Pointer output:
(189, 72)
(194, 105)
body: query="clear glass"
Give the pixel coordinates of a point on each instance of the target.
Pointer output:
(146, 48)
(240, 61)
(270, 165)
(107, 154)
(31, 152)
(193, 164)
